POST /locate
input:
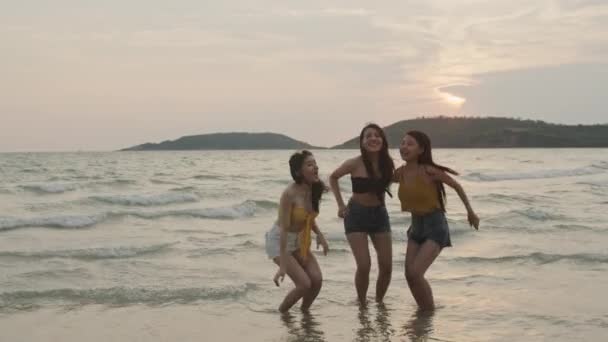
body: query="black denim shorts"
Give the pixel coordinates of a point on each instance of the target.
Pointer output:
(360, 218)
(432, 226)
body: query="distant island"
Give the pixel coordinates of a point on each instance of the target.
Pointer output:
(226, 141)
(448, 132)
(494, 132)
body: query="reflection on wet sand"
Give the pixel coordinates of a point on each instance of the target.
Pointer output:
(378, 330)
(420, 326)
(373, 326)
(383, 322)
(307, 330)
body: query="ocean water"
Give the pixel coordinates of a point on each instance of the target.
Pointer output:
(168, 246)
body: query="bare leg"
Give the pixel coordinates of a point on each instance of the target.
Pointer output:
(384, 249)
(299, 277)
(358, 245)
(312, 269)
(418, 259)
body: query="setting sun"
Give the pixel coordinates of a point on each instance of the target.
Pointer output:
(453, 100)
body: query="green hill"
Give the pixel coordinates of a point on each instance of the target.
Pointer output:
(226, 141)
(494, 132)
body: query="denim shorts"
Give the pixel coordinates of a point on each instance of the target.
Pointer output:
(432, 226)
(360, 218)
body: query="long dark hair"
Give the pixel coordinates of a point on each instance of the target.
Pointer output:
(296, 161)
(385, 162)
(426, 158)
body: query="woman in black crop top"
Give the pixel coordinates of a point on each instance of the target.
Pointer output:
(365, 215)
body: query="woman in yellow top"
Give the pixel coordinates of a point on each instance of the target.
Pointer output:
(288, 242)
(421, 192)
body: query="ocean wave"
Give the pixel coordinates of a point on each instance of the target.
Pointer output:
(504, 198)
(120, 296)
(184, 188)
(78, 273)
(49, 188)
(601, 165)
(274, 181)
(207, 252)
(34, 170)
(515, 216)
(242, 210)
(75, 221)
(571, 227)
(593, 169)
(472, 279)
(207, 177)
(238, 211)
(227, 251)
(249, 244)
(538, 215)
(91, 253)
(596, 184)
(197, 231)
(265, 204)
(539, 258)
(240, 235)
(56, 179)
(161, 181)
(117, 182)
(151, 200)
(224, 251)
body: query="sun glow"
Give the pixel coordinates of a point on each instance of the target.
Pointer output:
(453, 99)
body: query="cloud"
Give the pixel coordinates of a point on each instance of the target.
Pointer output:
(350, 60)
(566, 93)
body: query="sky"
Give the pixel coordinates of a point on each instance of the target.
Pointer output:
(104, 75)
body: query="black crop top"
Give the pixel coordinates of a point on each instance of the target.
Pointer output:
(362, 185)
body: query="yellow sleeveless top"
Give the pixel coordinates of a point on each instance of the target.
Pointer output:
(418, 197)
(301, 216)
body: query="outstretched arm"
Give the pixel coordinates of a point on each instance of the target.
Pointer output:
(442, 176)
(344, 169)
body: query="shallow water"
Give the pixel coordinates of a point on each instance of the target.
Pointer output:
(169, 246)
